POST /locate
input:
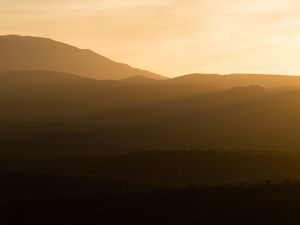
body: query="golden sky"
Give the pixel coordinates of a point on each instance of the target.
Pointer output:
(171, 37)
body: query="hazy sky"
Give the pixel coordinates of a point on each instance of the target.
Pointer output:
(171, 37)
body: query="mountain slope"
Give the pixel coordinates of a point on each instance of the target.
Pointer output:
(32, 53)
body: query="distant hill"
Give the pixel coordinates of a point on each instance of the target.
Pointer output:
(233, 80)
(43, 95)
(33, 53)
(52, 112)
(46, 112)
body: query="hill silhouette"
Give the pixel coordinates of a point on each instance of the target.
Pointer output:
(33, 53)
(56, 98)
(47, 95)
(237, 119)
(57, 113)
(233, 80)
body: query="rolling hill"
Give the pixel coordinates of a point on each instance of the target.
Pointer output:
(60, 112)
(47, 95)
(57, 113)
(234, 80)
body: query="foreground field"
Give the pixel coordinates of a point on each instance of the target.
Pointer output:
(35, 198)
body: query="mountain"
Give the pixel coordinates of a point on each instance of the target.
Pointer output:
(233, 80)
(33, 53)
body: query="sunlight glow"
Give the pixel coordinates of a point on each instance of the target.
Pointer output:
(172, 37)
